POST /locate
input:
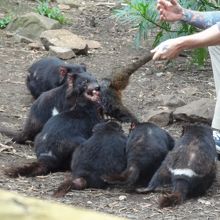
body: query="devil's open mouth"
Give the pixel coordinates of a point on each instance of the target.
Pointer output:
(92, 95)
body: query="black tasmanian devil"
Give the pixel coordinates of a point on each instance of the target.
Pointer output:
(61, 135)
(52, 102)
(102, 154)
(146, 148)
(190, 167)
(113, 85)
(48, 73)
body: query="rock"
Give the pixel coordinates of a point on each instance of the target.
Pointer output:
(14, 206)
(61, 52)
(197, 111)
(171, 101)
(71, 3)
(204, 202)
(92, 44)
(66, 39)
(35, 46)
(22, 39)
(9, 34)
(160, 74)
(31, 25)
(63, 7)
(121, 198)
(62, 38)
(159, 117)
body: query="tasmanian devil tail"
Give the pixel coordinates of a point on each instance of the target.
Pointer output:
(178, 195)
(120, 76)
(128, 177)
(8, 132)
(70, 183)
(32, 169)
(17, 137)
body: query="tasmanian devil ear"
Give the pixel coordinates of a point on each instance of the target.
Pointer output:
(63, 71)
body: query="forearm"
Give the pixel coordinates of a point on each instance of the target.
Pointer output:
(201, 20)
(208, 37)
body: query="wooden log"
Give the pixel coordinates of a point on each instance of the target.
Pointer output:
(14, 206)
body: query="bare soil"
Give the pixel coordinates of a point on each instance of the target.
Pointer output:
(155, 78)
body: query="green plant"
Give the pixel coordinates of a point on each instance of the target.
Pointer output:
(45, 9)
(142, 14)
(5, 21)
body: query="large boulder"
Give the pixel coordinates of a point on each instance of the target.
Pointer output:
(171, 101)
(159, 117)
(15, 206)
(201, 110)
(62, 53)
(31, 25)
(66, 39)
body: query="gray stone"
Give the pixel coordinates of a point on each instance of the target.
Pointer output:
(35, 46)
(170, 101)
(31, 25)
(62, 53)
(160, 74)
(22, 39)
(64, 38)
(63, 7)
(159, 117)
(197, 111)
(92, 44)
(71, 3)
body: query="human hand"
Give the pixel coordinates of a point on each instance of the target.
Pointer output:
(169, 10)
(167, 50)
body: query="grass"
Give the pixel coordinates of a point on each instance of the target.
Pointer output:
(55, 13)
(5, 21)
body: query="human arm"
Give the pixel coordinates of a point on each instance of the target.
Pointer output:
(173, 11)
(169, 49)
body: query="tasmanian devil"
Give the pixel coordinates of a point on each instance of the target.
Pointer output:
(113, 85)
(190, 167)
(60, 136)
(52, 102)
(48, 73)
(146, 148)
(102, 154)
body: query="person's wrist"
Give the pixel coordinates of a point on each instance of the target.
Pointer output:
(181, 43)
(186, 15)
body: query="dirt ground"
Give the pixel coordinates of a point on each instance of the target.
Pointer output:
(150, 81)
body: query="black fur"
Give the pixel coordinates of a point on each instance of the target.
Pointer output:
(102, 154)
(60, 136)
(62, 98)
(146, 148)
(48, 73)
(112, 104)
(194, 151)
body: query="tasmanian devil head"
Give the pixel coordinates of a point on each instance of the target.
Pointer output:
(70, 68)
(82, 85)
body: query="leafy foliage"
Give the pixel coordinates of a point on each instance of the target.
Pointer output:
(5, 21)
(143, 15)
(45, 9)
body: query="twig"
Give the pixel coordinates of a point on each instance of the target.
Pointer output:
(12, 82)
(4, 147)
